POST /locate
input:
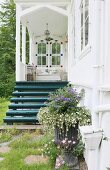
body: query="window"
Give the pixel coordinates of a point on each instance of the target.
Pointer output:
(41, 58)
(84, 23)
(56, 48)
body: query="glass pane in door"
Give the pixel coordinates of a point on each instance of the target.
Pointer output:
(41, 59)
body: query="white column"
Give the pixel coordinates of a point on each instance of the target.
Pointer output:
(18, 10)
(30, 50)
(69, 43)
(23, 44)
(95, 38)
(107, 42)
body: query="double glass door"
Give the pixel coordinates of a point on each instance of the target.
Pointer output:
(49, 54)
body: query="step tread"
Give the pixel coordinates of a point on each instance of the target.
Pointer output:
(20, 119)
(38, 87)
(25, 106)
(23, 111)
(42, 81)
(29, 104)
(29, 99)
(30, 114)
(30, 93)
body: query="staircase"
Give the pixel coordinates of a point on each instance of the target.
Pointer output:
(28, 98)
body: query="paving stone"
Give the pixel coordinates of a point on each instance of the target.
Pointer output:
(36, 159)
(4, 149)
(1, 159)
(5, 144)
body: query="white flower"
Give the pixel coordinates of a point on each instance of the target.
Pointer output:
(74, 142)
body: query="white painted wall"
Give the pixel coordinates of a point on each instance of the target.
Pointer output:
(90, 70)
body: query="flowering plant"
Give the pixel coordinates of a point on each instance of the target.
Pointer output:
(64, 108)
(67, 144)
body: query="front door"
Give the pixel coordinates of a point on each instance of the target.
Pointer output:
(49, 54)
(50, 60)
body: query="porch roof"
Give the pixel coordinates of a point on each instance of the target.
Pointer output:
(36, 22)
(42, 1)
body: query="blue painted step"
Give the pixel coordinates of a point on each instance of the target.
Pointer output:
(30, 93)
(49, 83)
(28, 98)
(22, 112)
(44, 87)
(26, 106)
(21, 119)
(43, 99)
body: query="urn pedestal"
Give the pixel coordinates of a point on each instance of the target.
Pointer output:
(71, 135)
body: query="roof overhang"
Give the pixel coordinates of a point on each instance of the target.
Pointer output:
(36, 21)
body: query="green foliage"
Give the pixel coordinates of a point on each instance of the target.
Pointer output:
(7, 47)
(51, 150)
(3, 108)
(79, 148)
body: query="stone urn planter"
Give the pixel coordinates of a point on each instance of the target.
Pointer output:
(62, 134)
(63, 115)
(67, 140)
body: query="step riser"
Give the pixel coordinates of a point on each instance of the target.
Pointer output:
(42, 83)
(20, 121)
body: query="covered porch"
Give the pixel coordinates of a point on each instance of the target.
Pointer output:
(42, 38)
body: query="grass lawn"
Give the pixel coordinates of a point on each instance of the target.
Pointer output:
(26, 144)
(3, 108)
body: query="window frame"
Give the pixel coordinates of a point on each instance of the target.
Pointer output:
(83, 28)
(56, 55)
(41, 54)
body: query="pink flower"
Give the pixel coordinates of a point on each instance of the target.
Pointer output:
(59, 162)
(63, 141)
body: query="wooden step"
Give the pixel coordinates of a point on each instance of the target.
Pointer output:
(27, 113)
(27, 106)
(21, 119)
(28, 98)
(37, 88)
(30, 93)
(43, 99)
(49, 83)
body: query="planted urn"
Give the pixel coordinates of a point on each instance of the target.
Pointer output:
(64, 113)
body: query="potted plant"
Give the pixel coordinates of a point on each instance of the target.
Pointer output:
(64, 114)
(64, 110)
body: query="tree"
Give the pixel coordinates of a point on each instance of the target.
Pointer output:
(7, 47)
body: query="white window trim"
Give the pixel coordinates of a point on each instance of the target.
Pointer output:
(85, 47)
(85, 51)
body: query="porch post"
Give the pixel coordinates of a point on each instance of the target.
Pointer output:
(23, 44)
(96, 44)
(18, 10)
(69, 61)
(30, 50)
(107, 43)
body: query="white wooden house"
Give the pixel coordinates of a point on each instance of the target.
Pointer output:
(70, 39)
